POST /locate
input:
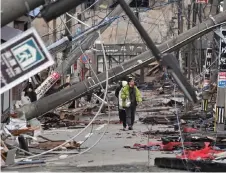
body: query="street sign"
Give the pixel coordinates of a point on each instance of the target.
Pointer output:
(84, 59)
(202, 1)
(208, 63)
(122, 49)
(222, 80)
(21, 58)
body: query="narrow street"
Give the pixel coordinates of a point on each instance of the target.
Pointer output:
(108, 154)
(113, 86)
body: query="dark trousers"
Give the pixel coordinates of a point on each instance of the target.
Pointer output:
(122, 116)
(130, 115)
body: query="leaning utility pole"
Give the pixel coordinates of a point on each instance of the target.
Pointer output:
(68, 31)
(180, 29)
(54, 31)
(208, 61)
(189, 45)
(194, 62)
(82, 28)
(142, 69)
(48, 103)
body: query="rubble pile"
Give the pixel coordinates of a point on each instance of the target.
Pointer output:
(200, 144)
(52, 120)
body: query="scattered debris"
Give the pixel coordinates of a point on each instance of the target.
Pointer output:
(50, 145)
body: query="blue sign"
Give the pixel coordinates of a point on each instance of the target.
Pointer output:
(222, 84)
(27, 54)
(84, 59)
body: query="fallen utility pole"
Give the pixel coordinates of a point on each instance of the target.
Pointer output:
(48, 103)
(12, 10)
(67, 41)
(68, 32)
(74, 55)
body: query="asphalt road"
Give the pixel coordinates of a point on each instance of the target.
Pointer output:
(108, 155)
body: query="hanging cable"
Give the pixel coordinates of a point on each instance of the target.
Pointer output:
(105, 94)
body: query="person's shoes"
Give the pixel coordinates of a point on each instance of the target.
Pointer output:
(130, 128)
(124, 129)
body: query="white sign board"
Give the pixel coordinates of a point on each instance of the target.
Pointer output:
(47, 84)
(222, 79)
(21, 58)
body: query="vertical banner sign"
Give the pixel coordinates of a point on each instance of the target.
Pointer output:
(21, 58)
(208, 63)
(222, 63)
(206, 83)
(222, 58)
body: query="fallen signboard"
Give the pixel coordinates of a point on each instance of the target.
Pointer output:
(21, 58)
(47, 84)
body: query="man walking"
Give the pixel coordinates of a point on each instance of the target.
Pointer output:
(130, 96)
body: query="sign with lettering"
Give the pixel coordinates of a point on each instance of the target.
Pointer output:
(208, 63)
(222, 80)
(122, 49)
(47, 84)
(21, 58)
(222, 59)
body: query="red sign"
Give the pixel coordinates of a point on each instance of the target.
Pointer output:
(55, 75)
(202, 1)
(222, 75)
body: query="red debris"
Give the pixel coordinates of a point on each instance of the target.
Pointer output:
(206, 153)
(167, 147)
(172, 145)
(189, 130)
